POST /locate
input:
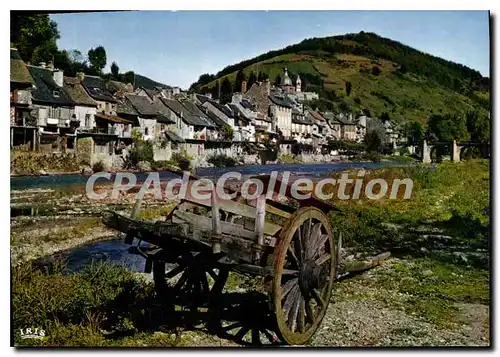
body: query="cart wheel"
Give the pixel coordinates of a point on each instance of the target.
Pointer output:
(304, 269)
(193, 279)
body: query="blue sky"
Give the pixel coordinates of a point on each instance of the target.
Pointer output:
(176, 47)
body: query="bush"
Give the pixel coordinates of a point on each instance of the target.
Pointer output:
(98, 167)
(222, 161)
(357, 100)
(142, 151)
(372, 156)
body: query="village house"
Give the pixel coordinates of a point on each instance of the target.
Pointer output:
(281, 113)
(53, 109)
(147, 118)
(23, 128)
(85, 106)
(244, 127)
(97, 89)
(192, 129)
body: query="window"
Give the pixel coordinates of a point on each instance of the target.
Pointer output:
(55, 93)
(87, 120)
(146, 131)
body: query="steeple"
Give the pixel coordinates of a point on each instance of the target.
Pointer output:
(298, 84)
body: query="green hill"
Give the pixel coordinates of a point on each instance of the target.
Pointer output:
(385, 76)
(148, 83)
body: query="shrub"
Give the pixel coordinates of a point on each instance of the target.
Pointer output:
(142, 151)
(98, 167)
(222, 161)
(357, 100)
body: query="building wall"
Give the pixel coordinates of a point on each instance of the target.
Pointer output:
(194, 149)
(163, 153)
(283, 119)
(147, 128)
(81, 112)
(349, 132)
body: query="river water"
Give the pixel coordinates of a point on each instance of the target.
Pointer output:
(314, 170)
(114, 250)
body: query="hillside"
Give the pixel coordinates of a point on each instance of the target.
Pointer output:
(385, 76)
(143, 81)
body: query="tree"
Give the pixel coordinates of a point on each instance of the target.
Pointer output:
(478, 127)
(97, 59)
(129, 77)
(415, 133)
(373, 142)
(447, 127)
(44, 53)
(348, 87)
(240, 77)
(216, 90)
(385, 117)
(262, 76)
(376, 70)
(251, 80)
(226, 91)
(277, 81)
(115, 71)
(30, 32)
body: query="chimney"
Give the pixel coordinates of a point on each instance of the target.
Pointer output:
(58, 77)
(42, 64)
(80, 76)
(243, 87)
(267, 85)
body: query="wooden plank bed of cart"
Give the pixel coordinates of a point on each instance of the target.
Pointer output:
(192, 251)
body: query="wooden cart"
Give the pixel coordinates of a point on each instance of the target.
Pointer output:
(201, 240)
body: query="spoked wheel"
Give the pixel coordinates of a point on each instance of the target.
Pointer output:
(246, 319)
(304, 269)
(193, 279)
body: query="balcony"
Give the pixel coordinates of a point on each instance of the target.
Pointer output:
(98, 130)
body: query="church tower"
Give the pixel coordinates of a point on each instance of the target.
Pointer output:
(298, 84)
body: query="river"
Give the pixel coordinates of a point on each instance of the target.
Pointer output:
(314, 170)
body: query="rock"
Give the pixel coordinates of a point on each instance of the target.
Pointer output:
(43, 172)
(427, 272)
(144, 166)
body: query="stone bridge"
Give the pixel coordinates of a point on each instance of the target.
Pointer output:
(456, 149)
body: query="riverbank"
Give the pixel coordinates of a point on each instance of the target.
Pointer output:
(433, 292)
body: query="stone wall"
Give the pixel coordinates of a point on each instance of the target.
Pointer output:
(84, 151)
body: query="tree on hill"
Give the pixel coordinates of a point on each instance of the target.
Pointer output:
(129, 77)
(277, 81)
(251, 80)
(215, 90)
(478, 127)
(226, 91)
(97, 59)
(348, 87)
(376, 70)
(262, 76)
(115, 71)
(240, 77)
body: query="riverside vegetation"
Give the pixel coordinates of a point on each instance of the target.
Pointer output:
(433, 291)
